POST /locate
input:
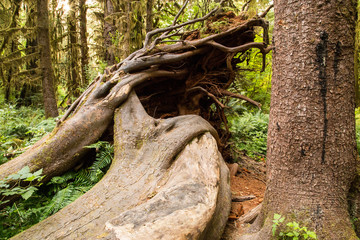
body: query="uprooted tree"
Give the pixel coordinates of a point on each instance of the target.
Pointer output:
(168, 179)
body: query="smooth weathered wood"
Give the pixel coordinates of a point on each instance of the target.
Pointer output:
(164, 183)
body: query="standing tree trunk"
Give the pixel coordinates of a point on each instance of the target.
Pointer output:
(149, 15)
(47, 71)
(109, 32)
(74, 81)
(311, 140)
(84, 49)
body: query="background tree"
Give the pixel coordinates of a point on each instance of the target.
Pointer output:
(47, 72)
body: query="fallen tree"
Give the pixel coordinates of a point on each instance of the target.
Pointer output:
(183, 78)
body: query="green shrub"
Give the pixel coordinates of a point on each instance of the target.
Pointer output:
(55, 195)
(291, 231)
(249, 133)
(21, 127)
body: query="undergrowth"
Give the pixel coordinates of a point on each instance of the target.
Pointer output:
(249, 133)
(56, 194)
(19, 129)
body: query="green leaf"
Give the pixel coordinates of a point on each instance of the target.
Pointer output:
(38, 172)
(28, 193)
(24, 170)
(282, 219)
(312, 235)
(277, 216)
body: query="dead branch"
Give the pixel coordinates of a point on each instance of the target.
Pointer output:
(242, 198)
(212, 96)
(262, 15)
(239, 96)
(251, 215)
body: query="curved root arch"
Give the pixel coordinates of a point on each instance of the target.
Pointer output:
(167, 181)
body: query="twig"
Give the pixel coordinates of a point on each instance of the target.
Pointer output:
(246, 6)
(250, 216)
(262, 15)
(212, 96)
(242, 198)
(150, 34)
(236, 95)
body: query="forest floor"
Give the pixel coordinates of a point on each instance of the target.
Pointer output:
(248, 180)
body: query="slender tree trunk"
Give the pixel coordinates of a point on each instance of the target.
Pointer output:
(149, 15)
(74, 81)
(47, 71)
(311, 141)
(109, 31)
(84, 49)
(127, 33)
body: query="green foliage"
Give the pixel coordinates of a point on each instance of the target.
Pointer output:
(20, 128)
(357, 118)
(56, 194)
(292, 230)
(11, 186)
(249, 133)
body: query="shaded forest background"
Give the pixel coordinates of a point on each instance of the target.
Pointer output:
(86, 37)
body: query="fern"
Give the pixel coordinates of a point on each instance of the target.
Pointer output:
(58, 193)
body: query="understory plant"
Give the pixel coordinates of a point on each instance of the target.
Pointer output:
(291, 231)
(249, 133)
(55, 195)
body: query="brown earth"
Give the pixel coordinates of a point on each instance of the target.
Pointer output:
(248, 180)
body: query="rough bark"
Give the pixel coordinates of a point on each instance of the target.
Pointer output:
(149, 15)
(167, 181)
(84, 49)
(73, 55)
(109, 30)
(47, 72)
(311, 156)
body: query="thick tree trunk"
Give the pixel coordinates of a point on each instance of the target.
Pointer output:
(47, 71)
(154, 189)
(311, 142)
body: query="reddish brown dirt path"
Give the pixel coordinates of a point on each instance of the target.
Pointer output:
(249, 180)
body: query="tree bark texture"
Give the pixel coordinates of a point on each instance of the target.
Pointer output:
(84, 49)
(167, 181)
(311, 158)
(47, 72)
(109, 31)
(73, 53)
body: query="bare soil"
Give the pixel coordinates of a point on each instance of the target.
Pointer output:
(249, 180)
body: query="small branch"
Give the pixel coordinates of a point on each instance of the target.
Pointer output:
(246, 6)
(250, 216)
(262, 15)
(239, 96)
(242, 198)
(149, 35)
(212, 96)
(180, 12)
